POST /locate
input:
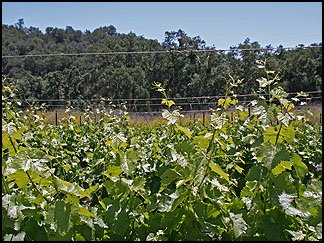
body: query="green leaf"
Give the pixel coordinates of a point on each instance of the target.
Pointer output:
(281, 167)
(90, 190)
(221, 101)
(173, 220)
(238, 169)
(72, 199)
(218, 170)
(270, 135)
(132, 155)
(299, 166)
(113, 171)
(183, 181)
(86, 212)
(248, 189)
(185, 130)
(67, 167)
(33, 230)
(234, 101)
(182, 195)
(62, 217)
(5, 140)
(167, 177)
(138, 185)
(169, 103)
(239, 225)
(185, 148)
(201, 141)
(283, 183)
(67, 187)
(226, 102)
(265, 154)
(20, 177)
(288, 133)
(121, 223)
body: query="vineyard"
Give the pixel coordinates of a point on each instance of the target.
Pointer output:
(254, 176)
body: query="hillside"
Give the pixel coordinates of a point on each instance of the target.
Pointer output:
(183, 74)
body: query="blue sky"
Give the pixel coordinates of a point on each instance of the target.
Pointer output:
(222, 24)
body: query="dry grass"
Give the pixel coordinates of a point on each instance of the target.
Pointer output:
(314, 115)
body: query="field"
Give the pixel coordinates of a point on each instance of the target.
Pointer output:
(236, 177)
(55, 117)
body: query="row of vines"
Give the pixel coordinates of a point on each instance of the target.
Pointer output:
(258, 178)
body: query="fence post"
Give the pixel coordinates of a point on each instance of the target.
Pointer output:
(249, 107)
(55, 118)
(321, 118)
(203, 118)
(80, 120)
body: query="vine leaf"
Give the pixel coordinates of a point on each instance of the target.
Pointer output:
(299, 166)
(185, 130)
(218, 170)
(239, 225)
(281, 167)
(62, 217)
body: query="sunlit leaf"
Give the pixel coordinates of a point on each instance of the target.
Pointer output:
(300, 167)
(284, 165)
(185, 130)
(239, 225)
(171, 117)
(85, 212)
(113, 171)
(218, 170)
(169, 103)
(238, 169)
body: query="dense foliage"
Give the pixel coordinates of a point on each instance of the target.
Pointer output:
(254, 177)
(132, 75)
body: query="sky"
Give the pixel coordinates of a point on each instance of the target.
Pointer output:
(219, 24)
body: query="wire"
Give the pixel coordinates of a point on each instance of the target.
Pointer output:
(155, 52)
(171, 98)
(159, 104)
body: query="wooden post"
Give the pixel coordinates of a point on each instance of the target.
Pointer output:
(56, 118)
(321, 118)
(80, 120)
(203, 118)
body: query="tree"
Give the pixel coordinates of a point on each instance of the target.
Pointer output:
(183, 71)
(20, 24)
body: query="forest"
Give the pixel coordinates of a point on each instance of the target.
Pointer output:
(131, 76)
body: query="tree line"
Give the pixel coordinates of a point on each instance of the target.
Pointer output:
(129, 76)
